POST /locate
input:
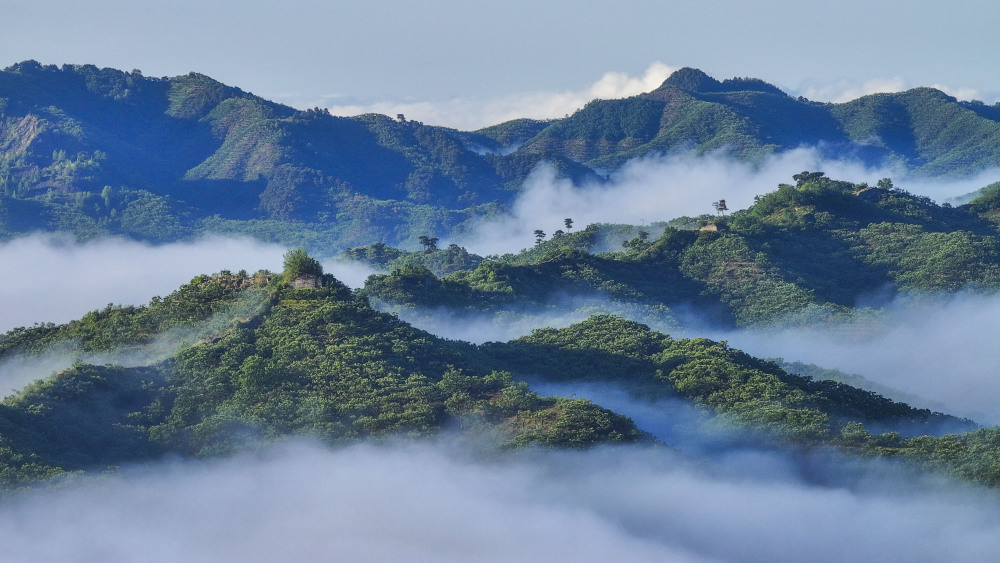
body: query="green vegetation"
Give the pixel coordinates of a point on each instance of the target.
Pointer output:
(298, 263)
(755, 266)
(321, 362)
(95, 152)
(234, 360)
(923, 129)
(439, 261)
(754, 393)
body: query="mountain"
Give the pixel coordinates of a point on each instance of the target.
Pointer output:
(233, 361)
(100, 151)
(923, 130)
(809, 251)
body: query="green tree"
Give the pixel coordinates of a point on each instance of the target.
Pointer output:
(298, 263)
(429, 243)
(720, 207)
(806, 176)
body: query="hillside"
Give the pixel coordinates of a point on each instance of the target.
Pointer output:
(94, 151)
(232, 361)
(808, 251)
(923, 130)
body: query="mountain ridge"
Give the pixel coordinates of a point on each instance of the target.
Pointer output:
(275, 362)
(191, 154)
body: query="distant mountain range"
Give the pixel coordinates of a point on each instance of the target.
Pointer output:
(97, 151)
(923, 129)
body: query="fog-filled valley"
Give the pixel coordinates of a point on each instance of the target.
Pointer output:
(625, 344)
(440, 502)
(661, 188)
(933, 352)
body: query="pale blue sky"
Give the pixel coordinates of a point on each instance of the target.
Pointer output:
(310, 52)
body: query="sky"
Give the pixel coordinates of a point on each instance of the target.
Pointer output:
(470, 64)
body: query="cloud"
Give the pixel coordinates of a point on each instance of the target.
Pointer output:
(518, 320)
(506, 324)
(937, 351)
(478, 328)
(53, 279)
(471, 113)
(966, 94)
(677, 422)
(429, 502)
(300, 501)
(939, 348)
(620, 85)
(19, 368)
(475, 113)
(351, 272)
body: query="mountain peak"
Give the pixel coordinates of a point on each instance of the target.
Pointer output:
(694, 80)
(691, 79)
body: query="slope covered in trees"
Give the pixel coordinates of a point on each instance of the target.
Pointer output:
(921, 129)
(250, 359)
(94, 151)
(253, 360)
(231, 360)
(811, 250)
(756, 394)
(100, 151)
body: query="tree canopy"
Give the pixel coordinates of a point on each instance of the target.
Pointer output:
(298, 263)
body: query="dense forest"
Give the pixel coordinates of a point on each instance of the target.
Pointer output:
(255, 359)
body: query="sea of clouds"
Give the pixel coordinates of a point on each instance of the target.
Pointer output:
(440, 502)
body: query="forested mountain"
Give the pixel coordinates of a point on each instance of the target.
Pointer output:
(805, 252)
(97, 151)
(923, 129)
(232, 361)
(100, 151)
